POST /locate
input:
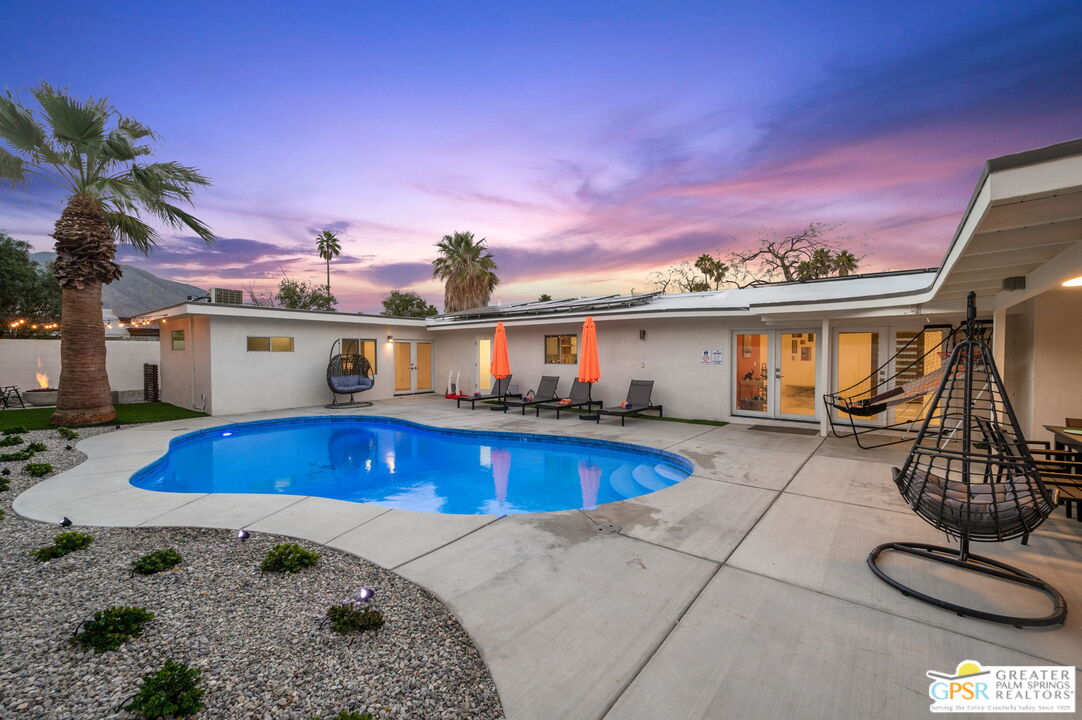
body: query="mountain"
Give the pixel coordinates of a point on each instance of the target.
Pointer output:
(137, 290)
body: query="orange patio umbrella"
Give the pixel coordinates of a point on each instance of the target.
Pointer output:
(589, 366)
(500, 367)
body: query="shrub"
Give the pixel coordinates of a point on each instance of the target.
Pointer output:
(173, 691)
(67, 433)
(37, 447)
(38, 469)
(63, 544)
(3, 484)
(112, 627)
(348, 618)
(18, 430)
(354, 715)
(288, 557)
(16, 456)
(11, 440)
(156, 562)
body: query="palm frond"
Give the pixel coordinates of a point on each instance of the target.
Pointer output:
(11, 168)
(130, 230)
(80, 123)
(178, 218)
(18, 126)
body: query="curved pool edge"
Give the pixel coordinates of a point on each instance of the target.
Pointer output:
(676, 459)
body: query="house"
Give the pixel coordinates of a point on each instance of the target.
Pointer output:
(764, 354)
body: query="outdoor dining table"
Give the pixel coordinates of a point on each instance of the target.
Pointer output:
(1066, 438)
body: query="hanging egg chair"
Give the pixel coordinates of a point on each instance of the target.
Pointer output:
(971, 475)
(348, 373)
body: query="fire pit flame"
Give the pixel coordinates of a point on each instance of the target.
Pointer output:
(43, 380)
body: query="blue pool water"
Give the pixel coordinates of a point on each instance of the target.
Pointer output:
(404, 465)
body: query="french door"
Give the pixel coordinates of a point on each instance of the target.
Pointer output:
(412, 366)
(863, 368)
(774, 374)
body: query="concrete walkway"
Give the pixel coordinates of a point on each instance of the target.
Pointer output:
(740, 592)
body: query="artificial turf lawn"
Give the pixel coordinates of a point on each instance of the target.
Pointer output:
(38, 418)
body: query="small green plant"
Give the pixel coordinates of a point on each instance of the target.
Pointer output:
(112, 627)
(173, 691)
(67, 433)
(11, 440)
(16, 456)
(36, 447)
(17, 430)
(3, 484)
(38, 469)
(288, 557)
(63, 544)
(351, 715)
(347, 618)
(156, 562)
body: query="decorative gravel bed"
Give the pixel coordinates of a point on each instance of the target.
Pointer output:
(257, 639)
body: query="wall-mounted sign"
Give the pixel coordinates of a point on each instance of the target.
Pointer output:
(710, 357)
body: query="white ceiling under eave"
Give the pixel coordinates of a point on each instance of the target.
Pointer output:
(1022, 222)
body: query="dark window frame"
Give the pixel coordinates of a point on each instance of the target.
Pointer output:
(559, 349)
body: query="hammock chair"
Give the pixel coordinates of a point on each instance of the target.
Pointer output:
(348, 373)
(977, 481)
(890, 385)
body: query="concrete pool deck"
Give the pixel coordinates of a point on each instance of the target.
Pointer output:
(739, 592)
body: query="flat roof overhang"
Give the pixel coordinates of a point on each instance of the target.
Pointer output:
(255, 312)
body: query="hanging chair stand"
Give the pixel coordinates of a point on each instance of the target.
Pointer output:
(971, 475)
(977, 564)
(347, 374)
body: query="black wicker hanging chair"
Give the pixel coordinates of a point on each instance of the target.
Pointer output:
(971, 475)
(348, 373)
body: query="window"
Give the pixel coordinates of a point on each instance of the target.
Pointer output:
(562, 349)
(362, 346)
(270, 344)
(178, 339)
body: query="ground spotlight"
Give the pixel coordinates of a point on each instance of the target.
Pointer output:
(243, 535)
(67, 447)
(365, 594)
(5, 471)
(65, 522)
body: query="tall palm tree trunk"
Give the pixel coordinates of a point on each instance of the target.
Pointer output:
(84, 260)
(328, 276)
(84, 395)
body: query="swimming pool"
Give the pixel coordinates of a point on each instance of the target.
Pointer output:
(406, 465)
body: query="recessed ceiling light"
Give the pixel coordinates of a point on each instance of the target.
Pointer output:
(1074, 282)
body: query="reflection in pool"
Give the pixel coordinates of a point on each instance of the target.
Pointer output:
(404, 465)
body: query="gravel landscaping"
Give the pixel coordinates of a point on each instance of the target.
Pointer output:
(257, 638)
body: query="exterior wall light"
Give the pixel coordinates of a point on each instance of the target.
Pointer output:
(1074, 282)
(642, 334)
(390, 338)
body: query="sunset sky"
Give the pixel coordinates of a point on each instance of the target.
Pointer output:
(591, 143)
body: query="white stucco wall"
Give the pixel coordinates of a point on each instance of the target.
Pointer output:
(243, 381)
(1043, 347)
(670, 356)
(19, 360)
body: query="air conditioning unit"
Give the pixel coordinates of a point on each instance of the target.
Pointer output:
(226, 297)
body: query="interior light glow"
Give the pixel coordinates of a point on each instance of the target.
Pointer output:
(1074, 282)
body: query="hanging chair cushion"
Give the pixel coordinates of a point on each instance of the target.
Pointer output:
(985, 508)
(349, 383)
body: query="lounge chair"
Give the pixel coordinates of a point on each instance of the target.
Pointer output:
(546, 392)
(638, 400)
(579, 397)
(10, 397)
(499, 392)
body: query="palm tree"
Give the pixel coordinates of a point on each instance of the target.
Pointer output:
(467, 269)
(91, 151)
(328, 248)
(845, 263)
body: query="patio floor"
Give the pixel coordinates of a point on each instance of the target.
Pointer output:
(741, 592)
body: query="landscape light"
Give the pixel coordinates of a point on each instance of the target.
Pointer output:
(65, 522)
(67, 447)
(242, 535)
(365, 594)
(5, 471)
(1074, 282)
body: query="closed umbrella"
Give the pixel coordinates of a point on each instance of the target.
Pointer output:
(501, 366)
(589, 366)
